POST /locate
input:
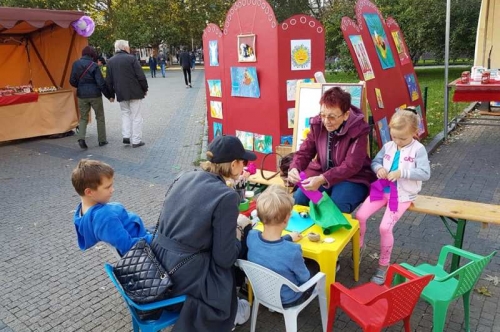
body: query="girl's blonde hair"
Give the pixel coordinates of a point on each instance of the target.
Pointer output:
(405, 120)
(274, 205)
(222, 169)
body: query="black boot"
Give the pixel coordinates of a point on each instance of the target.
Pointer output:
(82, 144)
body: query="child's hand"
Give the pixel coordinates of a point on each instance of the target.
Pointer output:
(393, 176)
(296, 236)
(382, 173)
(293, 175)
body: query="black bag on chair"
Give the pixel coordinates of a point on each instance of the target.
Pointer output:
(141, 275)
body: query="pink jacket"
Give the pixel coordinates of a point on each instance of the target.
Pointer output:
(349, 152)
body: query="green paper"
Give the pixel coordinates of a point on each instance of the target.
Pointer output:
(327, 215)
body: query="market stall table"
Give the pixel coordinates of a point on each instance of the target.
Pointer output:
(18, 99)
(475, 91)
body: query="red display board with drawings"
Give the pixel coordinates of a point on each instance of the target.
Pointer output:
(250, 88)
(382, 60)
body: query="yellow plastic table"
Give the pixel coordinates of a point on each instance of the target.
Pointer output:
(326, 254)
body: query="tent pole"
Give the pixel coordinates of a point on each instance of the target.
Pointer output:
(446, 63)
(42, 62)
(68, 57)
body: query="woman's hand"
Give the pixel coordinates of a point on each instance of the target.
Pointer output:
(313, 183)
(293, 176)
(382, 173)
(296, 236)
(393, 176)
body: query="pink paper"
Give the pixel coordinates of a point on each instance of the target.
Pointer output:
(314, 195)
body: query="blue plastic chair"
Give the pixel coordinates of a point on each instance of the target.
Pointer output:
(166, 319)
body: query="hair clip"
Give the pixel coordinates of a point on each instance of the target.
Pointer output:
(414, 111)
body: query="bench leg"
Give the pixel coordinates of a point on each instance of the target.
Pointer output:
(459, 241)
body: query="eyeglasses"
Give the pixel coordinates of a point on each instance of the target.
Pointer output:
(330, 117)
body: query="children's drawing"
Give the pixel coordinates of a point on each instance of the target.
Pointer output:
(380, 101)
(215, 88)
(213, 53)
(246, 139)
(301, 54)
(411, 83)
(355, 90)
(286, 140)
(383, 130)
(362, 55)
(246, 48)
(380, 41)
(217, 129)
(290, 115)
(404, 57)
(291, 87)
(263, 143)
(216, 109)
(421, 127)
(244, 82)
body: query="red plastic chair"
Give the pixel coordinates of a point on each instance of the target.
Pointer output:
(374, 307)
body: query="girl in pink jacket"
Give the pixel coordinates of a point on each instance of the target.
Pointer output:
(401, 166)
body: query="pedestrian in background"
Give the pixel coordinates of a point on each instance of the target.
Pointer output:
(152, 65)
(126, 79)
(162, 61)
(185, 61)
(86, 77)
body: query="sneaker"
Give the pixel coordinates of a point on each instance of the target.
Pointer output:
(82, 144)
(103, 143)
(126, 140)
(141, 143)
(190, 86)
(243, 313)
(379, 277)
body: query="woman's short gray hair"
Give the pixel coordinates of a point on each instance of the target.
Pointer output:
(121, 45)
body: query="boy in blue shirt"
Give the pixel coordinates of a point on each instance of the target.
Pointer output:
(277, 253)
(97, 220)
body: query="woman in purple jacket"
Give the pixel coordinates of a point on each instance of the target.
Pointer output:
(334, 154)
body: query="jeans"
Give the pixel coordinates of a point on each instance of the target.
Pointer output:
(346, 195)
(162, 66)
(84, 105)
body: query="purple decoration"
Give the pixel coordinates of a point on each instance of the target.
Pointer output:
(314, 195)
(377, 192)
(84, 26)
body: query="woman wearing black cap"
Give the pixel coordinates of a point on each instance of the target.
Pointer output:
(200, 214)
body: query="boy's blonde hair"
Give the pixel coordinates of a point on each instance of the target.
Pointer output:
(88, 174)
(222, 169)
(274, 205)
(405, 119)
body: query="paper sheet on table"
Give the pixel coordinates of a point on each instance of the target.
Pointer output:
(298, 224)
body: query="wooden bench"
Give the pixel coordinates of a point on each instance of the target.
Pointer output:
(458, 212)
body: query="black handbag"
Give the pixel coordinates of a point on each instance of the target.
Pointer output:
(142, 276)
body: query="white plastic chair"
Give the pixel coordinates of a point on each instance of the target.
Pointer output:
(266, 285)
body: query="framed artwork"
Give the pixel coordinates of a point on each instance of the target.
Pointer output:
(216, 109)
(383, 130)
(291, 86)
(286, 140)
(354, 89)
(213, 53)
(217, 129)
(215, 88)
(263, 143)
(244, 82)
(404, 57)
(362, 56)
(380, 101)
(246, 139)
(379, 39)
(300, 54)
(411, 83)
(421, 126)
(246, 48)
(290, 115)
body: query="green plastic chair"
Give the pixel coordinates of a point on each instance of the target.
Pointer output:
(446, 287)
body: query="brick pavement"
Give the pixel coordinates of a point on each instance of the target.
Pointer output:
(48, 284)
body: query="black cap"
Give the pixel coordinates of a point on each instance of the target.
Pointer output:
(225, 149)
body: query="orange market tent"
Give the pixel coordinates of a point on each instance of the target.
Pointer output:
(38, 46)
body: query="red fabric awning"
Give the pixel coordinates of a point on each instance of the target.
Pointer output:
(15, 20)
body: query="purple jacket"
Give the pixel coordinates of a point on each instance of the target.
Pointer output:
(349, 152)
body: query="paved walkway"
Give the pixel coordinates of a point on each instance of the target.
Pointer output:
(48, 284)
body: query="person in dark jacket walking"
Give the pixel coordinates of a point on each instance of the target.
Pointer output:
(126, 79)
(87, 78)
(200, 214)
(185, 61)
(152, 65)
(338, 138)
